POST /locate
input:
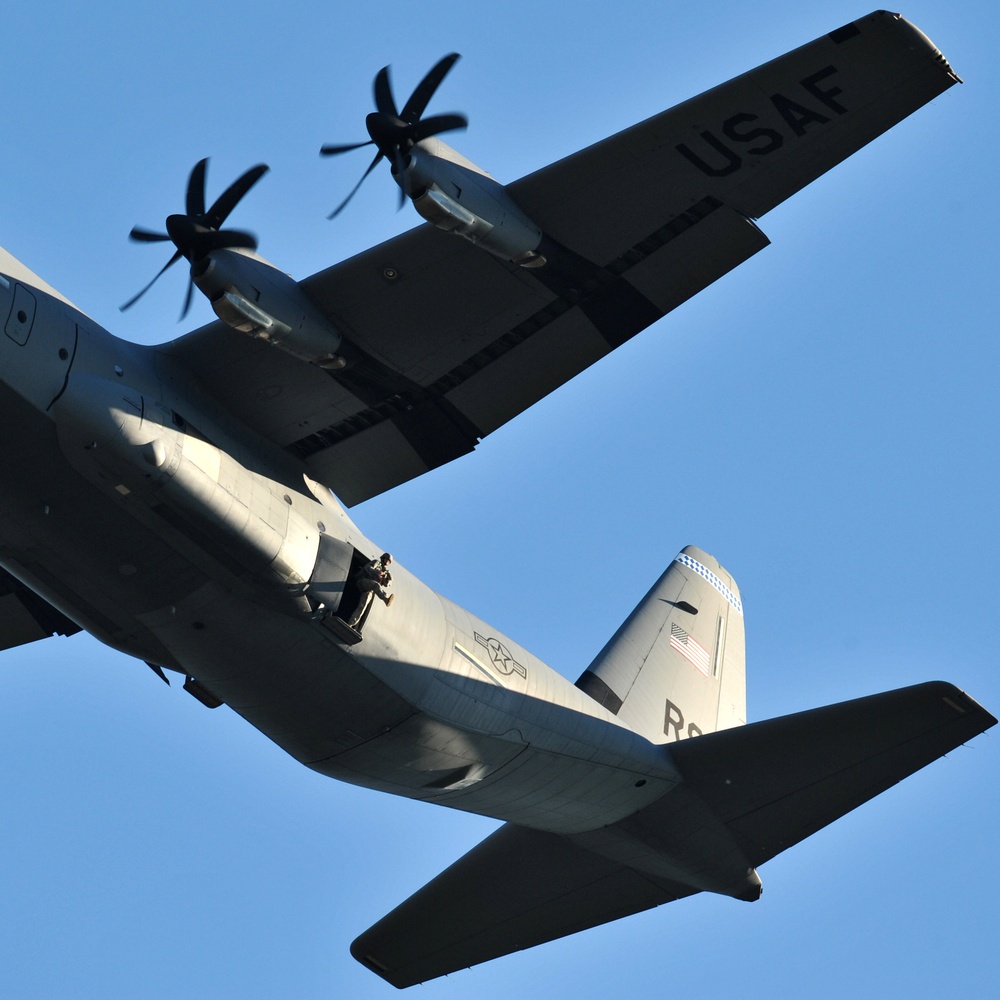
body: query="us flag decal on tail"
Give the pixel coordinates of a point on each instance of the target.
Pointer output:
(689, 647)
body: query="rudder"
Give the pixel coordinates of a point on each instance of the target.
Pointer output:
(677, 667)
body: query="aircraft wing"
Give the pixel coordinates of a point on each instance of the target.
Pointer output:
(770, 783)
(26, 617)
(444, 343)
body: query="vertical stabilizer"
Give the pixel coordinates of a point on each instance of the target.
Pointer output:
(677, 667)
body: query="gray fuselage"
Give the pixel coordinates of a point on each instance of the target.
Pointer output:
(138, 507)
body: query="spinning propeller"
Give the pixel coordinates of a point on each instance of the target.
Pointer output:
(198, 233)
(394, 132)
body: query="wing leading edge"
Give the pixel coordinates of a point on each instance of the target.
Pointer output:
(771, 784)
(444, 342)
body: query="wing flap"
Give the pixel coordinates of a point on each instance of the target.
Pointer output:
(775, 783)
(516, 889)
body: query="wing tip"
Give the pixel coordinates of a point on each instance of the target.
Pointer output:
(963, 704)
(361, 951)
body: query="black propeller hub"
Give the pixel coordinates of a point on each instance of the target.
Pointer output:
(184, 231)
(389, 133)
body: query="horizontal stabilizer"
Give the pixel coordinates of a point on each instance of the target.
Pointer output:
(770, 783)
(774, 783)
(516, 889)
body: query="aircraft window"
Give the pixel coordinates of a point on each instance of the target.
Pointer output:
(22, 315)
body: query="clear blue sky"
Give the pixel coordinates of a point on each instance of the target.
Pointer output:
(845, 471)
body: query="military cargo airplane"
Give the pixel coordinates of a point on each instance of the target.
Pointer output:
(187, 505)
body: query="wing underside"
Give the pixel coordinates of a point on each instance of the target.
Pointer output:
(444, 342)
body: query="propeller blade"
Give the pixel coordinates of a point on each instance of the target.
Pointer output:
(335, 150)
(399, 171)
(234, 238)
(140, 235)
(420, 97)
(437, 124)
(195, 200)
(224, 239)
(383, 94)
(135, 298)
(229, 198)
(187, 299)
(343, 204)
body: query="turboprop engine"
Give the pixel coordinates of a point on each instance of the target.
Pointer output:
(246, 291)
(253, 296)
(455, 195)
(448, 190)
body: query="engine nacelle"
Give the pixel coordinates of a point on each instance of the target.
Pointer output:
(455, 195)
(251, 295)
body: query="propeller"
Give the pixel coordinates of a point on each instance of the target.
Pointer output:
(199, 232)
(394, 133)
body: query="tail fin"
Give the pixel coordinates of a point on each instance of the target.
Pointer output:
(677, 667)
